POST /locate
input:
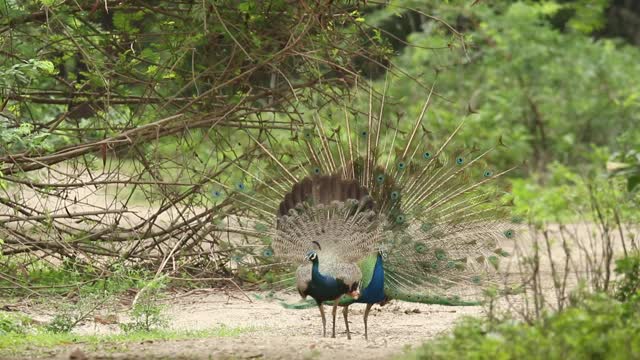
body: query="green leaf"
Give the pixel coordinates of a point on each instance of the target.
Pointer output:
(45, 66)
(152, 69)
(549, 8)
(244, 6)
(633, 182)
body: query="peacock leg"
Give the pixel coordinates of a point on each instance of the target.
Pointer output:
(335, 307)
(324, 321)
(366, 314)
(345, 312)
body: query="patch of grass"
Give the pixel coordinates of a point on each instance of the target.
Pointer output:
(313, 354)
(14, 323)
(70, 275)
(15, 343)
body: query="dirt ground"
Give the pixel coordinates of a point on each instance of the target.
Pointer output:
(274, 332)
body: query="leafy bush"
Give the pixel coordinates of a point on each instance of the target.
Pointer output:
(568, 195)
(14, 323)
(516, 78)
(626, 165)
(62, 322)
(69, 316)
(629, 285)
(599, 327)
(596, 326)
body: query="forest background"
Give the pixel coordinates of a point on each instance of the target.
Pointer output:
(147, 102)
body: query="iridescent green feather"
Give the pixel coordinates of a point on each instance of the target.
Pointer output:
(366, 266)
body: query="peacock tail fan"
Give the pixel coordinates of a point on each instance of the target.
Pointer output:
(435, 210)
(457, 261)
(328, 214)
(249, 243)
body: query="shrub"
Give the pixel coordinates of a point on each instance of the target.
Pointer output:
(629, 270)
(599, 327)
(14, 323)
(146, 311)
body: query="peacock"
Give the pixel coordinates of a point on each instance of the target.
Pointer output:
(332, 220)
(371, 210)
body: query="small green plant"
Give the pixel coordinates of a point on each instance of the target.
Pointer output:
(629, 269)
(14, 323)
(63, 322)
(146, 311)
(70, 315)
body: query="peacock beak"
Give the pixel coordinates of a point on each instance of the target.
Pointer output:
(355, 294)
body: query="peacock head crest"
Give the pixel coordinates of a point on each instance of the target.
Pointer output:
(383, 251)
(311, 255)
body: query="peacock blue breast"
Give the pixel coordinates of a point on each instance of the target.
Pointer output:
(374, 292)
(324, 287)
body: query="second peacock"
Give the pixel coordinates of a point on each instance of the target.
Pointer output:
(371, 211)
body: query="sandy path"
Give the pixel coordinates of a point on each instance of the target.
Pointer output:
(279, 333)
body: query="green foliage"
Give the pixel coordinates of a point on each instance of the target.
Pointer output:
(587, 15)
(58, 279)
(595, 326)
(14, 323)
(198, 56)
(550, 95)
(627, 165)
(146, 312)
(628, 268)
(599, 327)
(565, 196)
(69, 315)
(25, 73)
(63, 322)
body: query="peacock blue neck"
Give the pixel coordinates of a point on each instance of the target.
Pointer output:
(316, 276)
(374, 292)
(324, 287)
